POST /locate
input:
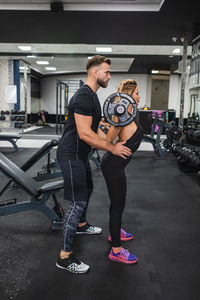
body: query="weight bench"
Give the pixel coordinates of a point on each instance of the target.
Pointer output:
(12, 138)
(39, 194)
(45, 149)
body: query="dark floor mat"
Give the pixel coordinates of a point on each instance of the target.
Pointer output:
(162, 210)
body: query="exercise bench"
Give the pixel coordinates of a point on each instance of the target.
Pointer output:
(39, 194)
(50, 172)
(12, 138)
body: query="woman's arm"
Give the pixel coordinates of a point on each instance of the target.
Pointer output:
(112, 134)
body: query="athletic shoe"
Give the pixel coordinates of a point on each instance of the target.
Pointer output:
(88, 229)
(123, 256)
(124, 236)
(72, 264)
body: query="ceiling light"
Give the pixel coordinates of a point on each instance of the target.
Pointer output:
(170, 56)
(50, 68)
(31, 56)
(42, 62)
(177, 50)
(25, 48)
(104, 49)
(89, 57)
(23, 68)
(154, 71)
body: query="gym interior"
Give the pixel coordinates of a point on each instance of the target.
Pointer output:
(44, 48)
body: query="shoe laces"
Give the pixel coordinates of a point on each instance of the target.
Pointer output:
(125, 253)
(123, 231)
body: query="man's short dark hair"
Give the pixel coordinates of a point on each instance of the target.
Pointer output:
(96, 61)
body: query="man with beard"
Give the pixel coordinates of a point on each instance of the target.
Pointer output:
(84, 115)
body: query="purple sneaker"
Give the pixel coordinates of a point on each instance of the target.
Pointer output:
(124, 236)
(123, 256)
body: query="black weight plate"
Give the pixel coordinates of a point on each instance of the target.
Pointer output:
(111, 109)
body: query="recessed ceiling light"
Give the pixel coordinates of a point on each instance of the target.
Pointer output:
(177, 50)
(31, 56)
(174, 39)
(25, 48)
(50, 68)
(42, 62)
(23, 68)
(154, 71)
(104, 49)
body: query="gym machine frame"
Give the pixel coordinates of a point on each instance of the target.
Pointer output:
(39, 195)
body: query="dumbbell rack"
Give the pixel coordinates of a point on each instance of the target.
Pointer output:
(11, 118)
(18, 118)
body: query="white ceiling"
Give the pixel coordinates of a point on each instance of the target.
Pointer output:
(85, 5)
(71, 58)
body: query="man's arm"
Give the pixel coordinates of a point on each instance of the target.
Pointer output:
(84, 123)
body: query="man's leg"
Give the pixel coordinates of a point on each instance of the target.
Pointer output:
(75, 190)
(84, 227)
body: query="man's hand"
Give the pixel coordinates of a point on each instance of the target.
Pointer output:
(120, 150)
(104, 123)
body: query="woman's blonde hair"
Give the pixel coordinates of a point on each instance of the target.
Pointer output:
(127, 86)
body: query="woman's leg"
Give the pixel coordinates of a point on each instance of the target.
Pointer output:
(114, 174)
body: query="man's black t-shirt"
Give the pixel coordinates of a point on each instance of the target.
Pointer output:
(84, 102)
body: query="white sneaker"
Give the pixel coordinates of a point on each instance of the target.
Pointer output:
(88, 229)
(72, 264)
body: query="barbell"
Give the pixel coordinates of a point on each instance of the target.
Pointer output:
(117, 110)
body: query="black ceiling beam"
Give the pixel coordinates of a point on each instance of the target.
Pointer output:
(137, 28)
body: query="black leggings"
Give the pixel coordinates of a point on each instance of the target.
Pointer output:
(113, 168)
(78, 186)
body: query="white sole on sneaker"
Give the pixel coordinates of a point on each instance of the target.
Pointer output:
(83, 268)
(96, 231)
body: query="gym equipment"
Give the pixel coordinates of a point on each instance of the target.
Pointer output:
(39, 195)
(183, 79)
(64, 91)
(48, 172)
(157, 126)
(188, 158)
(13, 112)
(193, 115)
(192, 136)
(111, 108)
(2, 117)
(173, 134)
(12, 138)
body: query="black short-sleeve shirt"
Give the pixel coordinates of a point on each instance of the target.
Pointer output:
(84, 102)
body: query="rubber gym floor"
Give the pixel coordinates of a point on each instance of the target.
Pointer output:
(163, 212)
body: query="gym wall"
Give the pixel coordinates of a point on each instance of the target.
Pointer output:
(22, 93)
(6, 78)
(48, 88)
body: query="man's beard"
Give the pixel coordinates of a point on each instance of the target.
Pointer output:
(102, 83)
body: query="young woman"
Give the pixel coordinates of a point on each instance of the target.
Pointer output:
(113, 168)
